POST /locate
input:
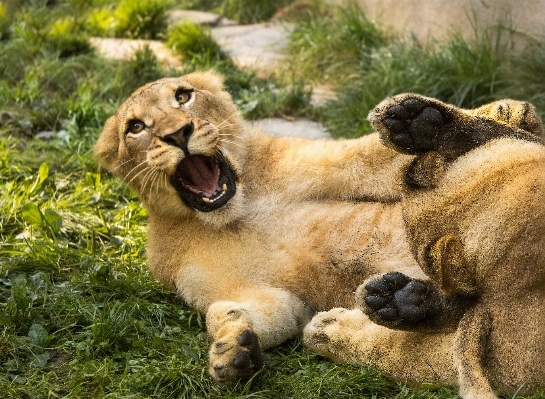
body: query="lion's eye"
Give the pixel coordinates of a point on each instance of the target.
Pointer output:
(183, 95)
(136, 126)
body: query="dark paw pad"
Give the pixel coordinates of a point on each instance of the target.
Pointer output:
(397, 298)
(413, 125)
(247, 362)
(239, 362)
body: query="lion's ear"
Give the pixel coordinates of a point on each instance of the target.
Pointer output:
(106, 148)
(210, 80)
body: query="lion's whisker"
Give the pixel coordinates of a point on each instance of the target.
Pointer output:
(138, 174)
(227, 126)
(231, 142)
(234, 136)
(157, 181)
(152, 179)
(121, 164)
(130, 171)
(147, 177)
(226, 119)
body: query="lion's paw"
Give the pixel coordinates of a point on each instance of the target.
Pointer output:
(397, 301)
(410, 122)
(332, 333)
(235, 358)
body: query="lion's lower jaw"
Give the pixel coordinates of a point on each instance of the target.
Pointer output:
(227, 214)
(168, 205)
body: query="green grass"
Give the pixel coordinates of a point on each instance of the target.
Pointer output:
(242, 11)
(80, 314)
(344, 48)
(143, 19)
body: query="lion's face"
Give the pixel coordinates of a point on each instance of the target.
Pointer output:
(172, 141)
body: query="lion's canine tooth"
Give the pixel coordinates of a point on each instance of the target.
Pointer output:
(224, 187)
(206, 199)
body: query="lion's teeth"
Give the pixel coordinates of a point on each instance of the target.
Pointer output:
(206, 199)
(224, 187)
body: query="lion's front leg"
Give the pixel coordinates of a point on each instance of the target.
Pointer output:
(241, 330)
(361, 169)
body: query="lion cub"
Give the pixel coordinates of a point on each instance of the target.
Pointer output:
(256, 232)
(475, 221)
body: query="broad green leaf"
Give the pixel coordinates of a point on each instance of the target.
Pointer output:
(53, 220)
(32, 215)
(93, 179)
(38, 335)
(190, 352)
(19, 293)
(40, 360)
(43, 173)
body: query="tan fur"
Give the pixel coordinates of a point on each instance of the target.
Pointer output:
(310, 221)
(478, 230)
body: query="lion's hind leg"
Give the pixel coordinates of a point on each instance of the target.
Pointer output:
(348, 336)
(415, 124)
(519, 114)
(469, 348)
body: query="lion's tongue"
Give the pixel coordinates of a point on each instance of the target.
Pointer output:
(200, 174)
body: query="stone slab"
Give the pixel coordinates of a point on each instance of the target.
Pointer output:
(124, 49)
(198, 17)
(303, 128)
(258, 46)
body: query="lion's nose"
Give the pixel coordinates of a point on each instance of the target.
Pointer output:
(180, 137)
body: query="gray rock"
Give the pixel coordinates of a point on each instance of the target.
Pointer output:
(45, 135)
(258, 46)
(198, 17)
(303, 128)
(124, 49)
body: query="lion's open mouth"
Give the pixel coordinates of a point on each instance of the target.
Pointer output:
(204, 183)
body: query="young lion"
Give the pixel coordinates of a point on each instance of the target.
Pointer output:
(475, 221)
(258, 233)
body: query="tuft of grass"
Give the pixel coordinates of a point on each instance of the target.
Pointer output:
(242, 11)
(251, 11)
(459, 72)
(329, 45)
(191, 40)
(144, 19)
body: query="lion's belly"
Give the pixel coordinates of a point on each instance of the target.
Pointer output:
(320, 251)
(328, 250)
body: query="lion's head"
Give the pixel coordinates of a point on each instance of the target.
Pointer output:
(177, 142)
